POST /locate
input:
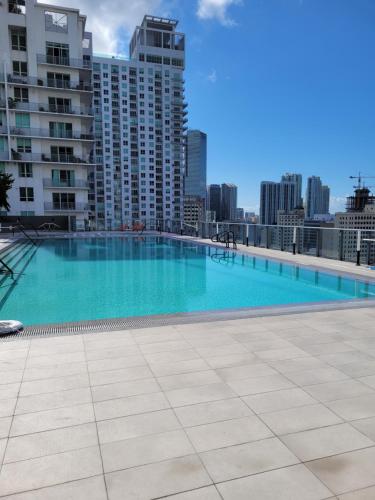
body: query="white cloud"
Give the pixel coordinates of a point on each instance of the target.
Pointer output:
(217, 9)
(212, 77)
(337, 204)
(105, 18)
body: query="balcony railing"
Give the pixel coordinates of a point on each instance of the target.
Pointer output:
(47, 108)
(63, 61)
(50, 134)
(50, 82)
(48, 158)
(76, 183)
(331, 243)
(65, 207)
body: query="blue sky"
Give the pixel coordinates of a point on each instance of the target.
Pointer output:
(278, 85)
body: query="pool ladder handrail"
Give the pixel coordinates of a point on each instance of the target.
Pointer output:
(226, 237)
(10, 270)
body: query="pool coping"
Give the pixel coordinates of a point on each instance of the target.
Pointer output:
(230, 314)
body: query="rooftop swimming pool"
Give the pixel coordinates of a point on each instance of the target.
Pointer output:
(76, 279)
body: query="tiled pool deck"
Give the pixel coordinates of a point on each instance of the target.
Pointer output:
(263, 408)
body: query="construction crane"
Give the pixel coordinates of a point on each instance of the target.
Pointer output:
(360, 178)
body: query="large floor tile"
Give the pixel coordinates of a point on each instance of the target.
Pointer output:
(50, 372)
(51, 400)
(92, 488)
(316, 376)
(227, 433)
(51, 442)
(46, 471)
(52, 419)
(245, 459)
(256, 385)
(99, 365)
(346, 472)
(157, 480)
(144, 450)
(120, 375)
(137, 425)
(245, 371)
(278, 400)
(31, 388)
(176, 367)
(201, 394)
(326, 441)
(341, 389)
(132, 405)
(290, 483)
(205, 413)
(354, 408)
(171, 357)
(191, 379)
(124, 389)
(300, 419)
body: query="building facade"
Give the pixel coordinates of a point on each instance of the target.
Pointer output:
(291, 191)
(46, 116)
(140, 117)
(196, 164)
(214, 200)
(228, 202)
(317, 197)
(269, 202)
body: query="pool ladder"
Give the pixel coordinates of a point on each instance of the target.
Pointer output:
(226, 237)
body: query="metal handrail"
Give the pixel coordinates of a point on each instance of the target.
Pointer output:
(20, 227)
(11, 272)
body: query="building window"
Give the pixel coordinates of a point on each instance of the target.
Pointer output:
(23, 120)
(18, 38)
(56, 21)
(63, 178)
(57, 53)
(26, 194)
(21, 94)
(61, 129)
(17, 6)
(20, 68)
(25, 170)
(63, 201)
(59, 105)
(27, 213)
(23, 145)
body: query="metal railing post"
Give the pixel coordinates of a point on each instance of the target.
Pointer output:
(358, 247)
(247, 235)
(294, 239)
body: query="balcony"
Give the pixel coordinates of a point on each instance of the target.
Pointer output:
(56, 83)
(63, 61)
(47, 158)
(42, 107)
(74, 184)
(50, 134)
(65, 207)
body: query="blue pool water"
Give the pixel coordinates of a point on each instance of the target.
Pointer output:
(93, 278)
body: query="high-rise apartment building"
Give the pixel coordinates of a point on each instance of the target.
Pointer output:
(196, 164)
(228, 202)
(195, 176)
(292, 195)
(269, 202)
(214, 200)
(317, 197)
(140, 117)
(360, 214)
(45, 110)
